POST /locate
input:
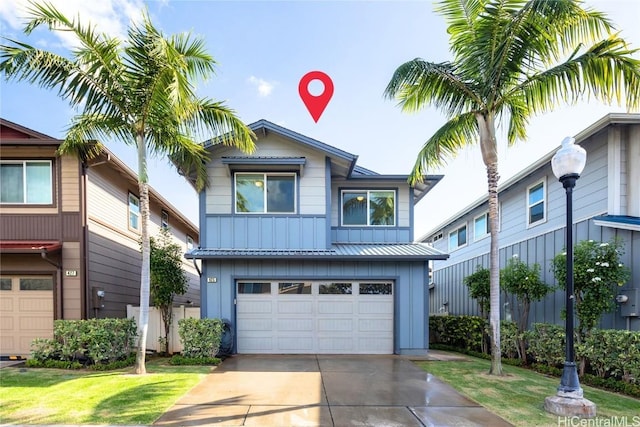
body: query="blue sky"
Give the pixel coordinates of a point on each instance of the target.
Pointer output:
(263, 49)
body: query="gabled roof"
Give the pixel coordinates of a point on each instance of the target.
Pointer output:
(359, 251)
(607, 120)
(343, 163)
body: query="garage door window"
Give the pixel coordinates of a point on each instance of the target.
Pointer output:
(335, 289)
(375, 289)
(5, 284)
(297, 288)
(32, 284)
(254, 288)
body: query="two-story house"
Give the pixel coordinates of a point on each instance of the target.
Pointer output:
(69, 237)
(306, 252)
(532, 216)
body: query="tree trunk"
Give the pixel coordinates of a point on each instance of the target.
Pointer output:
(489, 149)
(143, 184)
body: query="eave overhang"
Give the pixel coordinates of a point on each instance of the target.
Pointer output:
(618, 221)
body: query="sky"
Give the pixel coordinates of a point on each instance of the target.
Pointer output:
(264, 48)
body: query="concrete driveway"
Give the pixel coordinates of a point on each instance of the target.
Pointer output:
(324, 390)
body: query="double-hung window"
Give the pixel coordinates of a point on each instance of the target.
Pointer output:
(536, 203)
(369, 207)
(265, 192)
(134, 212)
(26, 182)
(458, 238)
(481, 226)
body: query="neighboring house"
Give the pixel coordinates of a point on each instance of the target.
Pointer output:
(69, 237)
(532, 216)
(305, 252)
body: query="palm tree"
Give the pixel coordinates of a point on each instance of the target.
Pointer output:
(512, 59)
(140, 92)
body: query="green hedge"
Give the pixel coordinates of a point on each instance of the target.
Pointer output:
(90, 342)
(200, 337)
(608, 354)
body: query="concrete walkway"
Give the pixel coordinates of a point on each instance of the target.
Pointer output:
(324, 390)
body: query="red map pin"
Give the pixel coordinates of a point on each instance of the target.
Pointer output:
(315, 104)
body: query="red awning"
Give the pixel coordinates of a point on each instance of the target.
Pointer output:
(29, 246)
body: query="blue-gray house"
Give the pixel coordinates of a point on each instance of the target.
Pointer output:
(306, 252)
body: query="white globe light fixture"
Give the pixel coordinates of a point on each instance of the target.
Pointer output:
(567, 164)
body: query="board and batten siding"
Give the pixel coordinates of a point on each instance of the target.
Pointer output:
(410, 292)
(449, 287)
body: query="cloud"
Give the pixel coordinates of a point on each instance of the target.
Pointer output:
(264, 87)
(112, 17)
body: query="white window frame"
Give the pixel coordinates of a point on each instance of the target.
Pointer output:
(24, 181)
(456, 230)
(367, 191)
(486, 233)
(138, 214)
(164, 219)
(265, 176)
(543, 201)
(189, 242)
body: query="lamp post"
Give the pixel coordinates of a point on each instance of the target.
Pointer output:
(567, 165)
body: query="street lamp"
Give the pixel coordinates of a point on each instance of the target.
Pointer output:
(567, 165)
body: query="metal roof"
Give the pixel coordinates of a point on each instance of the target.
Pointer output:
(618, 221)
(360, 251)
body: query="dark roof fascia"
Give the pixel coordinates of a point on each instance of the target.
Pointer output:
(315, 256)
(34, 134)
(607, 120)
(31, 141)
(363, 171)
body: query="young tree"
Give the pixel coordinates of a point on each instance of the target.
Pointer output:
(597, 272)
(168, 278)
(140, 91)
(518, 279)
(512, 59)
(478, 284)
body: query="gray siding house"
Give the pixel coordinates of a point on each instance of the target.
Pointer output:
(532, 215)
(303, 251)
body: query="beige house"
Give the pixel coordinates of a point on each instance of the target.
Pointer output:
(69, 236)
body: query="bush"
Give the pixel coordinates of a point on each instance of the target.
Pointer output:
(612, 353)
(458, 331)
(93, 341)
(200, 337)
(546, 344)
(509, 338)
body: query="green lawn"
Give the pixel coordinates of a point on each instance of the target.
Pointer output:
(519, 396)
(52, 396)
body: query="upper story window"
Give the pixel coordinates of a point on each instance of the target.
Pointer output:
(458, 238)
(189, 243)
(372, 207)
(164, 219)
(26, 182)
(536, 203)
(265, 192)
(134, 212)
(481, 226)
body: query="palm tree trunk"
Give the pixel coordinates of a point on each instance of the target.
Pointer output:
(489, 149)
(143, 184)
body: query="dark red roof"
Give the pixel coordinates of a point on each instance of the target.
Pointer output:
(29, 246)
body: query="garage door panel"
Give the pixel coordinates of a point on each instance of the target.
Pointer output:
(295, 307)
(248, 344)
(6, 304)
(375, 307)
(261, 324)
(36, 323)
(335, 307)
(336, 345)
(295, 325)
(335, 325)
(375, 344)
(251, 306)
(36, 304)
(375, 325)
(296, 344)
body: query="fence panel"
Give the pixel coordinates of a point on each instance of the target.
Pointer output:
(156, 327)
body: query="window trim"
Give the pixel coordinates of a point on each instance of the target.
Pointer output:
(265, 176)
(189, 238)
(455, 230)
(164, 224)
(367, 191)
(543, 181)
(139, 214)
(52, 175)
(487, 233)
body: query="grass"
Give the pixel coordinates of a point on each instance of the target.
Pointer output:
(519, 396)
(54, 396)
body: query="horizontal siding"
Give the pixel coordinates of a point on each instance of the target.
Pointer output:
(449, 286)
(71, 292)
(70, 183)
(107, 197)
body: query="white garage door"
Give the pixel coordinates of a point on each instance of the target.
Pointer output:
(26, 312)
(315, 317)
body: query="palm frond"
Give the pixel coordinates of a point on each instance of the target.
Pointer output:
(458, 132)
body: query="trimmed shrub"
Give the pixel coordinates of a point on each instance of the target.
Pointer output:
(200, 337)
(612, 353)
(546, 344)
(509, 339)
(181, 360)
(458, 331)
(93, 341)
